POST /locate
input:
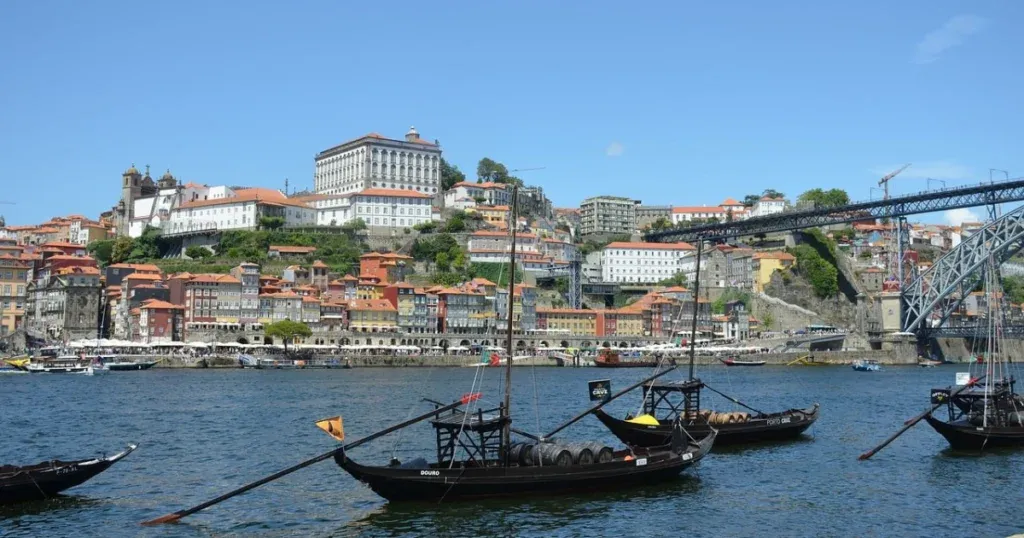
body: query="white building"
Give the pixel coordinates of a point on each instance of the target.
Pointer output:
(647, 263)
(373, 161)
(391, 208)
(608, 215)
(491, 193)
(768, 206)
(720, 212)
(237, 210)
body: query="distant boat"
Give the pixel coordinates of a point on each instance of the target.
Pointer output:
(731, 361)
(66, 364)
(866, 366)
(47, 479)
(928, 364)
(609, 358)
(247, 361)
(124, 366)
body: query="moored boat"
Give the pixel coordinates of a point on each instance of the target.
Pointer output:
(924, 363)
(125, 366)
(14, 366)
(732, 361)
(47, 479)
(65, 364)
(671, 403)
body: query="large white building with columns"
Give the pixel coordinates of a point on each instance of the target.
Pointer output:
(647, 263)
(376, 162)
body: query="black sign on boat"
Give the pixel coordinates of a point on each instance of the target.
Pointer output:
(600, 390)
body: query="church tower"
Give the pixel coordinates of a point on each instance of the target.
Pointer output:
(131, 190)
(167, 181)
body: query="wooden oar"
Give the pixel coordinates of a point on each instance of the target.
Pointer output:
(169, 518)
(733, 400)
(578, 417)
(910, 423)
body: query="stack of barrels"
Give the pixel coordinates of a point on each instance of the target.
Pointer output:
(558, 454)
(717, 419)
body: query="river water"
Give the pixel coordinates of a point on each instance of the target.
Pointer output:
(204, 432)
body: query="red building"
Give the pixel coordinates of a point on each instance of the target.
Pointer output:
(160, 321)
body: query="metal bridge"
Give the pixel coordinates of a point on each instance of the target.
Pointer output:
(912, 204)
(930, 298)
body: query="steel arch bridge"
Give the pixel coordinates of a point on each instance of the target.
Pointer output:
(959, 271)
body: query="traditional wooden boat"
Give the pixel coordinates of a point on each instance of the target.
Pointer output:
(495, 466)
(609, 358)
(983, 416)
(47, 479)
(732, 361)
(667, 405)
(671, 403)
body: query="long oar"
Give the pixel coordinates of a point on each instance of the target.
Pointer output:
(910, 423)
(169, 518)
(578, 417)
(733, 400)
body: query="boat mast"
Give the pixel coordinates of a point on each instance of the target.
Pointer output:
(513, 222)
(696, 306)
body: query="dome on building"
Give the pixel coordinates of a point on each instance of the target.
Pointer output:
(131, 171)
(167, 176)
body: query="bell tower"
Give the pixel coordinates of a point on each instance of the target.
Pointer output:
(131, 190)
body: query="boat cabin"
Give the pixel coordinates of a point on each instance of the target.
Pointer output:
(478, 434)
(994, 405)
(667, 401)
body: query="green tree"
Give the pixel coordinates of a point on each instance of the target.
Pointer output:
(751, 199)
(660, 224)
(450, 175)
(426, 227)
(443, 262)
(102, 250)
(271, 223)
(456, 223)
(821, 198)
(354, 225)
(121, 249)
(822, 275)
(490, 170)
(197, 252)
(678, 279)
(772, 193)
(767, 320)
(287, 330)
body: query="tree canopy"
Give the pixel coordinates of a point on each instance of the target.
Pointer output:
(751, 199)
(450, 175)
(823, 198)
(490, 170)
(287, 330)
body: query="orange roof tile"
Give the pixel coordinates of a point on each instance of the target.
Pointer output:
(319, 264)
(215, 278)
(371, 304)
(252, 194)
(291, 249)
(143, 276)
(729, 202)
(777, 255)
(62, 244)
(144, 267)
(156, 303)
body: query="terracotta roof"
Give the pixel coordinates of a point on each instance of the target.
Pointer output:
(480, 281)
(62, 244)
(729, 202)
(650, 246)
(371, 304)
(143, 267)
(64, 257)
(349, 278)
(253, 194)
(291, 249)
(770, 199)
(215, 278)
(675, 289)
(156, 303)
(282, 295)
(78, 270)
(491, 208)
(390, 255)
(401, 193)
(402, 285)
(308, 299)
(319, 264)
(778, 255)
(566, 311)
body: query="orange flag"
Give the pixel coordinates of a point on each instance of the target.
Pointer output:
(333, 427)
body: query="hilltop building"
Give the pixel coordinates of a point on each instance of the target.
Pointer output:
(375, 162)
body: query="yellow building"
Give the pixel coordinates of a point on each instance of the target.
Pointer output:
(496, 215)
(372, 315)
(627, 323)
(766, 263)
(578, 322)
(13, 282)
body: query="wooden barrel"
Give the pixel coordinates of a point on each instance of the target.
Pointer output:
(581, 453)
(516, 452)
(602, 454)
(552, 454)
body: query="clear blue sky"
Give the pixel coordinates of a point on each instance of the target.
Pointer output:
(680, 103)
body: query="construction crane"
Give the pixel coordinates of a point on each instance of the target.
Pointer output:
(884, 182)
(526, 169)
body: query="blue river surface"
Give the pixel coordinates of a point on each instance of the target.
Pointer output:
(204, 432)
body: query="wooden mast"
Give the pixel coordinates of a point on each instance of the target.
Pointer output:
(696, 306)
(513, 222)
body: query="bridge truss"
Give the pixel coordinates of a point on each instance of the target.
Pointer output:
(913, 204)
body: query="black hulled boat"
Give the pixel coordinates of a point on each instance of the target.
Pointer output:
(495, 466)
(984, 416)
(669, 403)
(47, 479)
(525, 468)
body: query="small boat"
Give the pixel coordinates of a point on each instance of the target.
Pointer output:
(126, 366)
(609, 358)
(47, 479)
(671, 403)
(247, 361)
(866, 365)
(732, 361)
(924, 363)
